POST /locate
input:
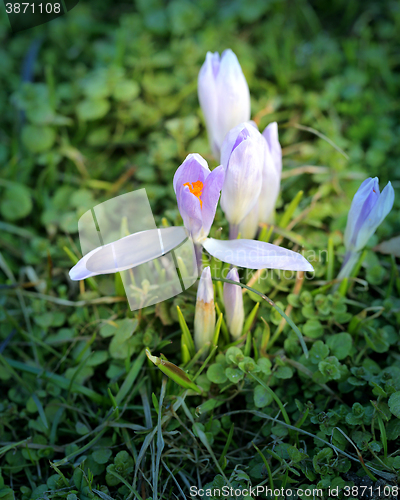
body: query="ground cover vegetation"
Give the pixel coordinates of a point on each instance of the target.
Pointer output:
(103, 101)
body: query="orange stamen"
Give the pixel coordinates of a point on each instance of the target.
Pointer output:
(196, 188)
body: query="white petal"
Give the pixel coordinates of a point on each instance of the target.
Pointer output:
(256, 255)
(128, 252)
(205, 291)
(208, 98)
(249, 226)
(233, 95)
(271, 182)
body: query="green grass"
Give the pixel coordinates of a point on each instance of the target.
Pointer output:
(110, 105)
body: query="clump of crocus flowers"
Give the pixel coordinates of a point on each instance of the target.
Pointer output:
(248, 182)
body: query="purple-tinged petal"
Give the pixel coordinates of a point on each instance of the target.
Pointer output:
(249, 226)
(80, 271)
(369, 190)
(194, 168)
(204, 316)
(254, 254)
(243, 177)
(233, 301)
(243, 131)
(272, 137)
(233, 95)
(224, 96)
(271, 182)
(375, 217)
(190, 210)
(211, 192)
(208, 97)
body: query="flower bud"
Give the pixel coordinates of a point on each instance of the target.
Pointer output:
(224, 96)
(233, 300)
(242, 156)
(368, 209)
(204, 317)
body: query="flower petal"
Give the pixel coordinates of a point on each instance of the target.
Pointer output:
(207, 93)
(242, 155)
(80, 271)
(243, 180)
(254, 254)
(233, 302)
(211, 192)
(194, 168)
(233, 95)
(204, 316)
(271, 136)
(271, 182)
(361, 206)
(249, 226)
(242, 131)
(190, 210)
(380, 210)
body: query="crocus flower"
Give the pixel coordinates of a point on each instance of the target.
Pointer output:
(233, 301)
(242, 156)
(197, 203)
(224, 96)
(204, 316)
(271, 181)
(368, 209)
(197, 192)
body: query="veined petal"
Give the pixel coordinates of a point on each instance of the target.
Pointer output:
(194, 168)
(190, 210)
(249, 225)
(356, 214)
(254, 254)
(243, 179)
(271, 182)
(237, 135)
(233, 301)
(380, 210)
(208, 98)
(233, 95)
(204, 316)
(211, 192)
(271, 136)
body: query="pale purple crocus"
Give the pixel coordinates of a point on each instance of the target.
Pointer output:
(197, 191)
(271, 181)
(242, 156)
(368, 209)
(233, 302)
(224, 96)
